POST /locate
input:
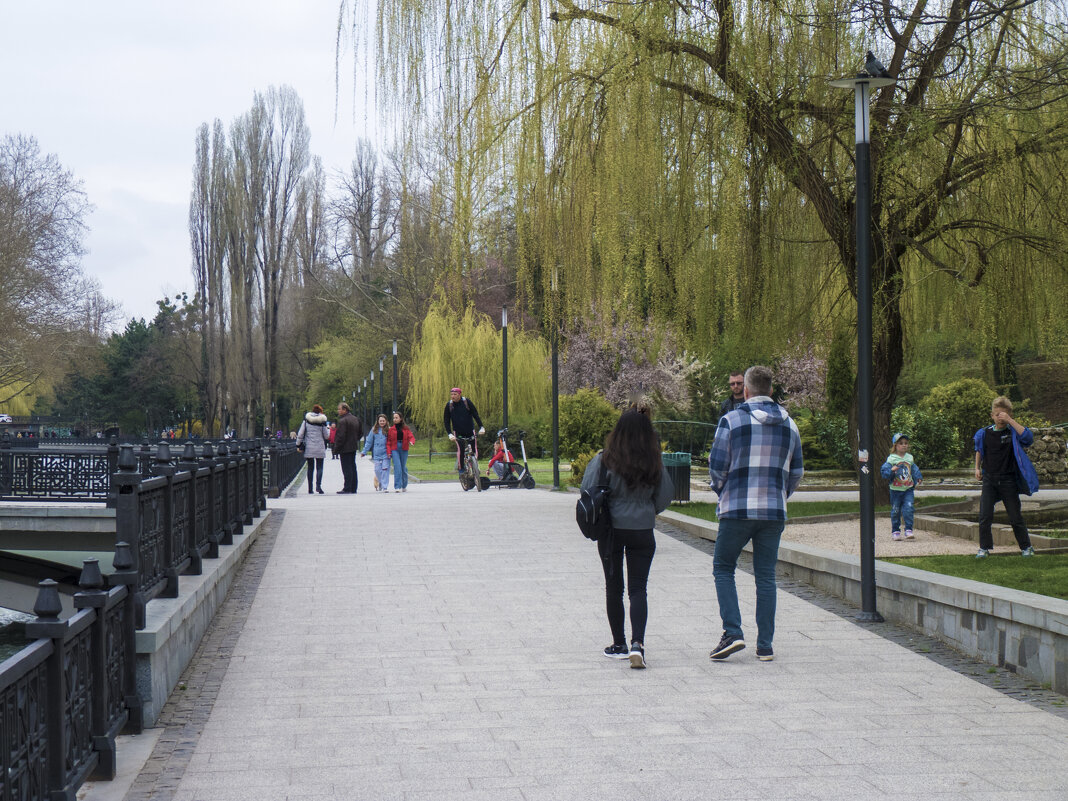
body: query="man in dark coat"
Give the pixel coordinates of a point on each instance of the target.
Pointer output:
(346, 443)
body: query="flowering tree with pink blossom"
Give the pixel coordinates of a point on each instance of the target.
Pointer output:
(801, 375)
(623, 360)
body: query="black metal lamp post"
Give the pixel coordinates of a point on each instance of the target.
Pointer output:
(862, 85)
(395, 407)
(365, 401)
(554, 335)
(504, 361)
(381, 385)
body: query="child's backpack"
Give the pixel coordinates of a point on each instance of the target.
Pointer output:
(591, 510)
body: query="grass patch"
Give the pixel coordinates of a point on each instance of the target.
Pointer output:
(1045, 574)
(794, 509)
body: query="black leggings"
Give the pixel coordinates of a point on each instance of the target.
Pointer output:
(312, 464)
(639, 546)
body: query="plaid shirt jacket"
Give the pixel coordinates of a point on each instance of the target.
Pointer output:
(756, 462)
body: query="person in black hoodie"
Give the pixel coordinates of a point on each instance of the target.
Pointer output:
(460, 418)
(639, 489)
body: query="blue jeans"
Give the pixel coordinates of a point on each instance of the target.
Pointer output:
(382, 473)
(732, 538)
(901, 506)
(400, 468)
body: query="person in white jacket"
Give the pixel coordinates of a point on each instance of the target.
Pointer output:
(313, 437)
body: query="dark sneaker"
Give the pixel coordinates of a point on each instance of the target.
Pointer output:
(617, 651)
(637, 655)
(765, 654)
(730, 644)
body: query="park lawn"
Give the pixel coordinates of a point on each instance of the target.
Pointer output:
(794, 509)
(1045, 574)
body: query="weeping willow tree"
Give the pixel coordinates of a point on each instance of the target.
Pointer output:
(690, 161)
(464, 350)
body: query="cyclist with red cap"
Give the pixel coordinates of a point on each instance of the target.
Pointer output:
(460, 418)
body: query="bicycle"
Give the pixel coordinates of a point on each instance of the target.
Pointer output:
(469, 476)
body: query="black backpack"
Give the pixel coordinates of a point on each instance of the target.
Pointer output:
(591, 511)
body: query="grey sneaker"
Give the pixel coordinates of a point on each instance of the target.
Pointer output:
(765, 654)
(637, 656)
(1028, 551)
(728, 644)
(982, 554)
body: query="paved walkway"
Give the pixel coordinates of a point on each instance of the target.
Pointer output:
(446, 645)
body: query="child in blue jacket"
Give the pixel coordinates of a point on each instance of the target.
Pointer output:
(375, 442)
(903, 475)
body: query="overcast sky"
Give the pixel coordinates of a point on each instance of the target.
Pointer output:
(116, 90)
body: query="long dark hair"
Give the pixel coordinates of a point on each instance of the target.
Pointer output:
(632, 450)
(402, 424)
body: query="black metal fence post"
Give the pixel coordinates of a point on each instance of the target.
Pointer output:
(171, 549)
(128, 528)
(91, 595)
(113, 468)
(188, 464)
(214, 521)
(125, 575)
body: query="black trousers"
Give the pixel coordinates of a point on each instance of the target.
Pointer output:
(312, 465)
(638, 546)
(1003, 489)
(348, 470)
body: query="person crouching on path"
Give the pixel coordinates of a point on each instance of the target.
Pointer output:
(754, 466)
(313, 436)
(398, 440)
(375, 442)
(904, 475)
(639, 489)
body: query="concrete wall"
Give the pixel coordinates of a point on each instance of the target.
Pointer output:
(174, 626)
(1021, 631)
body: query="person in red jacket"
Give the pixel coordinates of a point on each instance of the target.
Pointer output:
(398, 439)
(502, 457)
(330, 438)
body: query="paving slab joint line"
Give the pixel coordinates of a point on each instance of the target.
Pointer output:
(187, 710)
(1000, 679)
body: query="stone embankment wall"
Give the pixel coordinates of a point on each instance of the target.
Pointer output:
(1050, 456)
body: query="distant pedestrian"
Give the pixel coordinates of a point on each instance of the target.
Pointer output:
(1001, 463)
(736, 383)
(312, 437)
(333, 435)
(639, 489)
(754, 466)
(398, 440)
(376, 442)
(904, 476)
(347, 443)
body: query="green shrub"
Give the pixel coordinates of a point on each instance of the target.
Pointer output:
(933, 442)
(829, 437)
(539, 434)
(585, 420)
(965, 405)
(578, 467)
(814, 450)
(839, 387)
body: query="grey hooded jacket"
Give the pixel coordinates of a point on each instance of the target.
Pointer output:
(314, 433)
(635, 509)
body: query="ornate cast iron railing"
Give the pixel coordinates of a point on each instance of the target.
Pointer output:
(68, 694)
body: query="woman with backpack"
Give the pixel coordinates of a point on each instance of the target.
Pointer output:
(312, 438)
(639, 489)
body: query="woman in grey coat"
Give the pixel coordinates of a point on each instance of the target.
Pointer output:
(314, 436)
(639, 488)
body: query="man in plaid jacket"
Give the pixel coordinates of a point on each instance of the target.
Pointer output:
(754, 466)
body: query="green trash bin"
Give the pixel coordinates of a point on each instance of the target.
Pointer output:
(678, 469)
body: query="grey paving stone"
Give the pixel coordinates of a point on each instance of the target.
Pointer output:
(434, 653)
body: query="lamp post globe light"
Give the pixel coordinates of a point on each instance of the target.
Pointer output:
(861, 85)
